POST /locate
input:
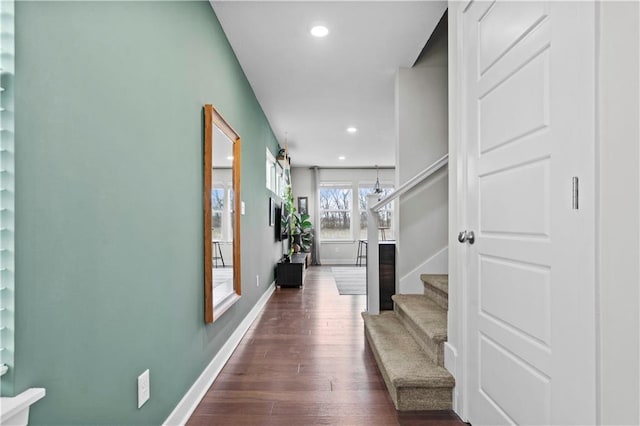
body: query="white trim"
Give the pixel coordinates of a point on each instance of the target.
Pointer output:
(373, 274)
(450, 358)
(457, 316)
(450, 363)
(15, 410)
(8, 190)
(187, 405)
(348, 262)
(598, 213)
(410, 282)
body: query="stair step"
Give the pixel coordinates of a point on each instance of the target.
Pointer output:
(426, 321)
(436, 288)
(413, 380)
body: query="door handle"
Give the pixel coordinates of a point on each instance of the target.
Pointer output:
(466, 236)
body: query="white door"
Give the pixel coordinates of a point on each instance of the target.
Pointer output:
(528, 119)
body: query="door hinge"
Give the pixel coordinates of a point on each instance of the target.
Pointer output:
(575, 193)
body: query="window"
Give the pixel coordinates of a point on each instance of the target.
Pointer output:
(221, 217)
(279, 189)
(271, 172)
(277, 177)
(385, 215)
(217, 212)
(335, 211)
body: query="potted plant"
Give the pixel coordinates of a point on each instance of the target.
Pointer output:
(302, 231)
(298, 227)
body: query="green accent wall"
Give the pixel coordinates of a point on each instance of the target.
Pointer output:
(109, 133)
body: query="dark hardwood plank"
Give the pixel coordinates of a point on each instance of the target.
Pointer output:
(305, 362)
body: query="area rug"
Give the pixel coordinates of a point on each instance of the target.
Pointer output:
(350, 280)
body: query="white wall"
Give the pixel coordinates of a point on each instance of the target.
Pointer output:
(422, 138)
(337, 252)
(619, 213)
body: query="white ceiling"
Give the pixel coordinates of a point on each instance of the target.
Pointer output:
(314, 88)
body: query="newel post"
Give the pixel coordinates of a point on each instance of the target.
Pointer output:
(373, 252)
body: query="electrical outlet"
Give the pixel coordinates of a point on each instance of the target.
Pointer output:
(257, 280)
(143, 388)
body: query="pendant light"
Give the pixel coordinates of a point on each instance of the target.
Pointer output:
(376, 187)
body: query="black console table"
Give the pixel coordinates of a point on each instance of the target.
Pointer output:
(291, 274)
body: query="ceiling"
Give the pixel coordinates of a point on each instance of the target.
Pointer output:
(311, 89)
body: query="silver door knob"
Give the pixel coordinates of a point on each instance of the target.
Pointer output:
(466, 236)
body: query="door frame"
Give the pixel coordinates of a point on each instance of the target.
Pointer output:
(455, 352)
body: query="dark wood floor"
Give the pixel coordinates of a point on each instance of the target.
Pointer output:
(305, 362)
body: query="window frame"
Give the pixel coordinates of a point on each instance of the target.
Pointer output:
(350, 210)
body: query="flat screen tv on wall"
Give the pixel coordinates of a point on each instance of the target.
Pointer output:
(278, 223)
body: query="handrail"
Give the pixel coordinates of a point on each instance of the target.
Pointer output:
(411, 183)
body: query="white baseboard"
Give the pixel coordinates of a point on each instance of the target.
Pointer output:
(410, 283)
(187, 405)
(350, 262)
(450, 364)
(450, 358)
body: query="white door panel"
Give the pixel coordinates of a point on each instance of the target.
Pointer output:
(516, 107)
(502, 372)
(523, 345)
(526, 189)
(529, 47)
(533, 147)
(526, 249)
(526, 286)
(502, 27)
(528, 112)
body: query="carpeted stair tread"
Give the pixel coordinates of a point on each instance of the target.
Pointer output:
(440, 282)
(414, 382)
(405, 364)
(425, 314)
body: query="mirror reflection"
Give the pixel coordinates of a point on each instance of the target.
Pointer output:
(221, 216)
(222, 281)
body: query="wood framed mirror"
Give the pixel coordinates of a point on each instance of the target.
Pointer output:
(222, 203)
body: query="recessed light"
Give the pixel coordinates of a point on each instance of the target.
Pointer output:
(319, 31)
(342, 157)
(351, 129)
(230, 157)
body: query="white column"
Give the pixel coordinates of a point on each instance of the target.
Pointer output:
(373, 271)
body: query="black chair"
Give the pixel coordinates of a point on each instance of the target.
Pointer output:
(217, 255)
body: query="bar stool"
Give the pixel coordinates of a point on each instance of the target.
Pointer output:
(383, 236)
(217, 255)
(362, 252)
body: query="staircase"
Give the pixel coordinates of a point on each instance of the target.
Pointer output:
(408, 344)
